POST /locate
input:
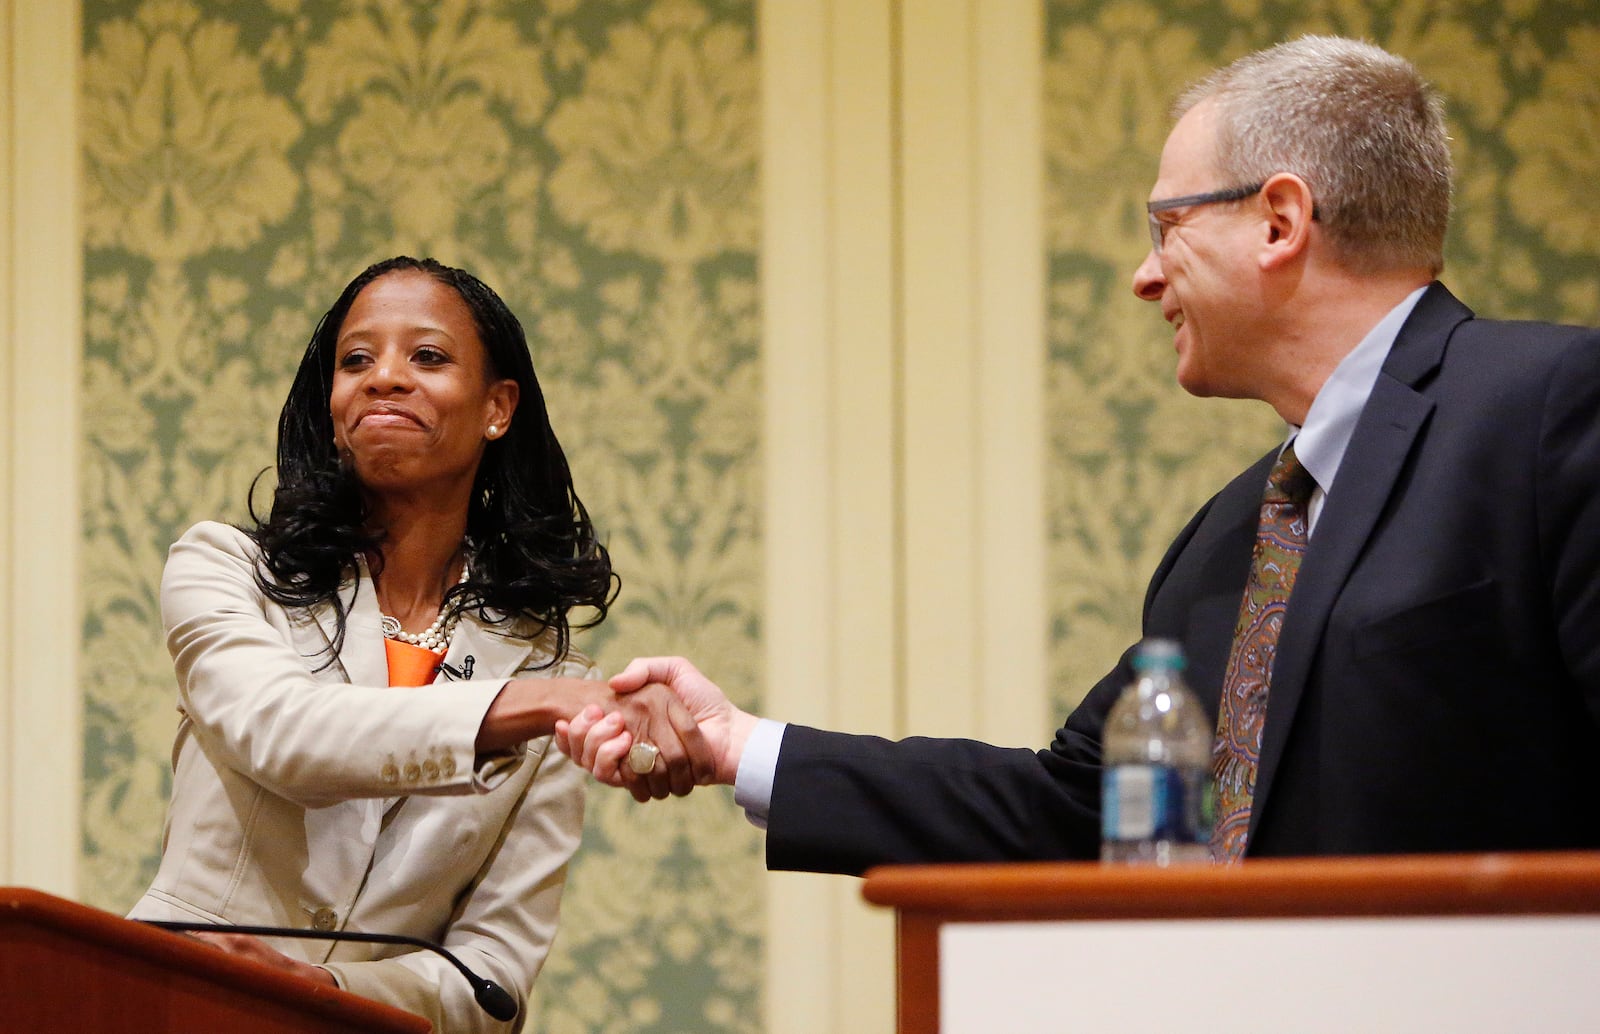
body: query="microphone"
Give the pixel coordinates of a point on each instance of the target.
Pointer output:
(452, 674)
(492, 998)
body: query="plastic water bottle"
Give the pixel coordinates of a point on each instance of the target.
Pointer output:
(1158, 798)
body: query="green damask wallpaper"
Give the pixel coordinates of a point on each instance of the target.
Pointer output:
(1131, 457)
(596, 163)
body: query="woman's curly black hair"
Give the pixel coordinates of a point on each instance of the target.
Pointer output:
(534, 550)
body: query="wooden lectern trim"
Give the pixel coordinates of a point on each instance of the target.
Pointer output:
(36, 927)
(1489, 884)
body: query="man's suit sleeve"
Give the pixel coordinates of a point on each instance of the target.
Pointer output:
(867, 801)
(843, 803)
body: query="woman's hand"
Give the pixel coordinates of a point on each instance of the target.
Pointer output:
(656, 715)
(599, 740)
(256, 949)
(527, 708)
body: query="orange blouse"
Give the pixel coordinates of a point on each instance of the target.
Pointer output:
(410, 665)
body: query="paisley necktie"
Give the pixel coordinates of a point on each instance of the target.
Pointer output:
(1280, 545)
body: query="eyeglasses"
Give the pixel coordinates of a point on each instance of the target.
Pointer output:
(1158, 229)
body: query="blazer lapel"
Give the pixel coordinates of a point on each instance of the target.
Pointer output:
(476, 651)
(480, 652)
(1390, 423)
(361, 659)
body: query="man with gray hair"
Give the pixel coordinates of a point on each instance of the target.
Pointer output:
(1394, 617)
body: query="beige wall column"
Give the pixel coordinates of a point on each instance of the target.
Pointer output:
(41, 742)
(903, 341)
(973, 362)
(829, 341)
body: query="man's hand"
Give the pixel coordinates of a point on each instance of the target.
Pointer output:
(655, 715)
(600, 742)
(530, 707)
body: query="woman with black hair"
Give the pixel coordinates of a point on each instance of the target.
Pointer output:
(368, 678)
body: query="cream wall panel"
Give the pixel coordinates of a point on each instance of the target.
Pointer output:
(940, 363)
(864, 607)
(902, 287)
(40, 702)
(828, 335)
(1009, 283)
(973, 358)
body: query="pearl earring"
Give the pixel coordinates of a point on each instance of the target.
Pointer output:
(494, 431)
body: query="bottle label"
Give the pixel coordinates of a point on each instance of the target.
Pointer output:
(1154, 802)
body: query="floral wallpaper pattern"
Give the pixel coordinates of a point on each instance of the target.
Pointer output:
(594, 162)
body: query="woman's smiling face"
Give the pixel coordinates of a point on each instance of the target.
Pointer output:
(413, 398)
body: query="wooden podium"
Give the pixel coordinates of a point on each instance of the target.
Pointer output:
(1449, 942)
(66, 967)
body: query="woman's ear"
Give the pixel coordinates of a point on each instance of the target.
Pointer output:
(503, 398)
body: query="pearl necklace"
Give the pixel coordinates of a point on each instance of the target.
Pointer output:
(435, 637)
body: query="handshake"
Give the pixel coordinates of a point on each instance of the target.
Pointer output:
(672, 729)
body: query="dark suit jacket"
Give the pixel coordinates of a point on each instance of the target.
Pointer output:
(1437, 683)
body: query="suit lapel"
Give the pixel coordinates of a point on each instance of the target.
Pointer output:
(1385, 435)
(1226, 539)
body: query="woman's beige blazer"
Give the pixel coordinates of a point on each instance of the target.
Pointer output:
(308, 793)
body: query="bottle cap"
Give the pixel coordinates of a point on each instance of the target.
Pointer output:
(1158, 653)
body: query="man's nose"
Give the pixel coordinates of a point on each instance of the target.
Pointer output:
(1148, 281)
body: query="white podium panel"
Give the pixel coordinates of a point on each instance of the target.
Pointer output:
(1471, 942)
(1466, 974)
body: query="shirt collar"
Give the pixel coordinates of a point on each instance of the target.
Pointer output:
(1321, 441)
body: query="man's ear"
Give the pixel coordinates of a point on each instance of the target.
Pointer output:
(1290, 211)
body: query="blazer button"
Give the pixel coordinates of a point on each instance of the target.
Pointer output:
(390, 774)
(412, 772)
(447, 765)
(324, 919)
(430, 768)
